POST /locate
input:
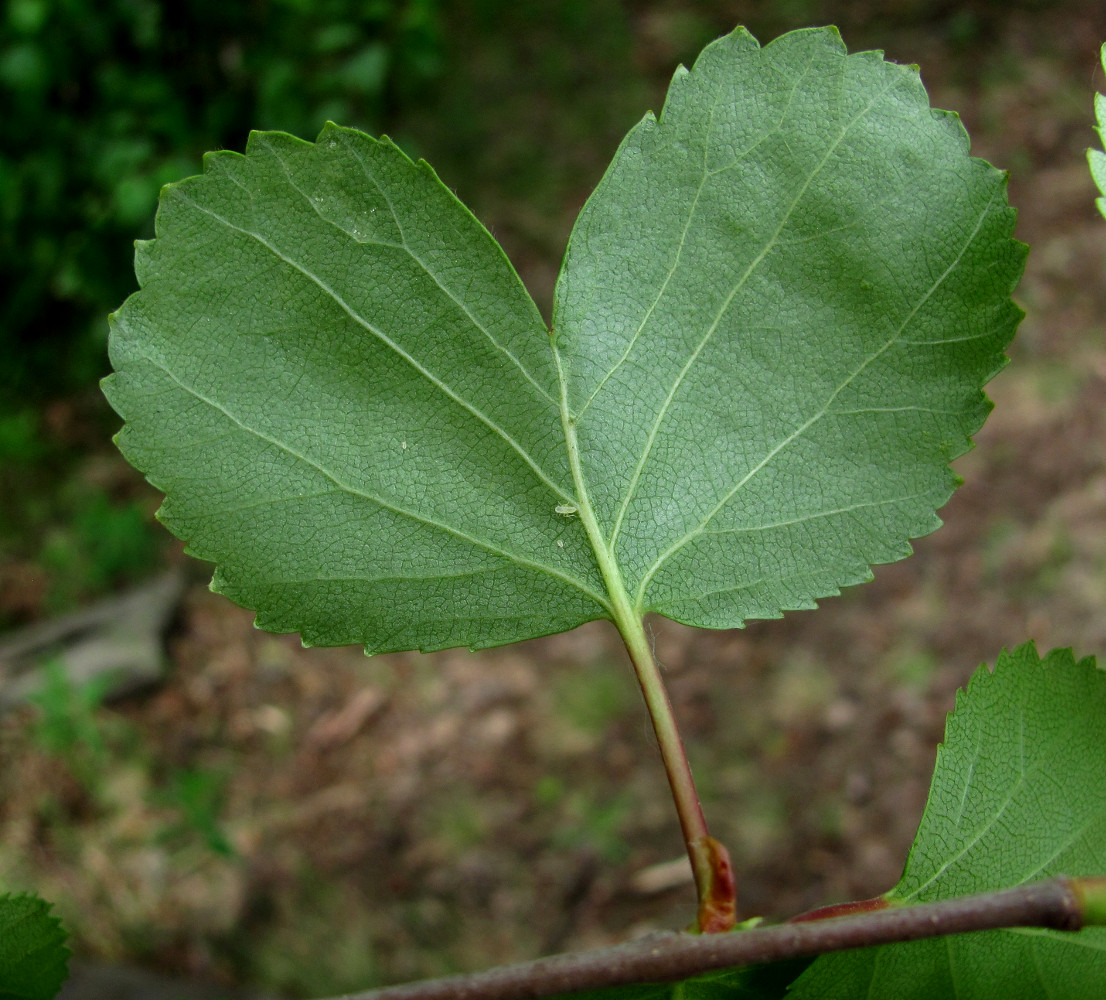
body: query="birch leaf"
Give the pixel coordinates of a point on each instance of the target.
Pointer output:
(770, 336)
(33, 957)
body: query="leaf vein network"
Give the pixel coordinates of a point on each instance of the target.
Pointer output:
(825, 408)
(1090, 937)
(433, 275)
(342, 229)
(386, 504)
(753, 264)
(387, 341)
(1065, 844)
(707, 173)
(392, 577)
(745, 585)
(742, 530)
(979, 835)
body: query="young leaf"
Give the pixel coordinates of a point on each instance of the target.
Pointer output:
(33, 956)
(1017, 796)
(1095, 157)
(770, 334)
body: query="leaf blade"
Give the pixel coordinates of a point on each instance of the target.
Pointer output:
(359, 426)
(740, 466)
(33, 957)
(1096, 159)
(1016, 796)
(397, 435)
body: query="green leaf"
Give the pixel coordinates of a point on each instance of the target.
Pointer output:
(1017, 796)
(33, 956)
(776, 312)
(349, 398)
(1095, 157)
(772, 327)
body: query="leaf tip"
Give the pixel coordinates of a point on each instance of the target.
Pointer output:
(740, 36)
(273, 143)
(827, 34)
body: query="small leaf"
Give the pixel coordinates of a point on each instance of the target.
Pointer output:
(33, 956)
(1095, 157)
(771, 330)
(1017, 796)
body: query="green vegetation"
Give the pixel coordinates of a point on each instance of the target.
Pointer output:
(75, 529)
(33, 956)
(67, 726)
(1016, 797)
(100, 749)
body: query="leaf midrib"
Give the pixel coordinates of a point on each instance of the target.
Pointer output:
(605, 547)
(986, 827)
(707, 172)
(262, 140)
(433, 274)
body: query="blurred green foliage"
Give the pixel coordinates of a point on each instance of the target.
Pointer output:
(586, 819)
(106, 101)
(66, 725)
(82, 536)
(197, 796)
(71, 724)
(99, 543)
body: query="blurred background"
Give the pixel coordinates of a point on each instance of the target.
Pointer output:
(230, 807)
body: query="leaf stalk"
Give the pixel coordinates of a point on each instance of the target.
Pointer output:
(710, 861)
(711, 867)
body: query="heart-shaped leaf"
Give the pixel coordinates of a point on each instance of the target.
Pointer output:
(770, 335)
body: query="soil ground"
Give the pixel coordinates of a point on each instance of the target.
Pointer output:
(312, 821)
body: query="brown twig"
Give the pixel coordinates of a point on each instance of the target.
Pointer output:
(1057, 903)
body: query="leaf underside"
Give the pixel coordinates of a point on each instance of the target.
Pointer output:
(33, 957)
(1017, 796)
(770, 336)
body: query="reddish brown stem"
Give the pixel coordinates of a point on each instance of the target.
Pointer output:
(710, 861)
(843, 909)
(714, 876)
